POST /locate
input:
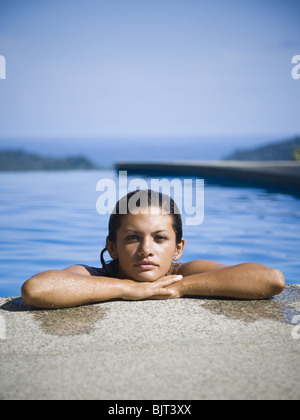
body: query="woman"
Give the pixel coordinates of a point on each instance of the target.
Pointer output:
(145, 243)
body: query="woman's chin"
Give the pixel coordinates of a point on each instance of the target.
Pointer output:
(147, 276)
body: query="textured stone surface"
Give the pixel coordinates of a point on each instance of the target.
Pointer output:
(187, 349)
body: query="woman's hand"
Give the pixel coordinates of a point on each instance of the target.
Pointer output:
(163, 288)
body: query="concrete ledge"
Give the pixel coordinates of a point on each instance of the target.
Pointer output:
(186, 349)
(281, 174)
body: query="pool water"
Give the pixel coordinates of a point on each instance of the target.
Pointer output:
(48, 220)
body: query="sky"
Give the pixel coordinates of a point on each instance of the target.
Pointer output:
(159, 69)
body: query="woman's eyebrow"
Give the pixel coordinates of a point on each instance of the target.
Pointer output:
(138, 231)
(162, 230)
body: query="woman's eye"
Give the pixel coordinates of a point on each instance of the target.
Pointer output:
(132, 238)
(160, 238)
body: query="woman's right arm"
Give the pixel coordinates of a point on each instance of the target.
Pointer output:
(74, 287)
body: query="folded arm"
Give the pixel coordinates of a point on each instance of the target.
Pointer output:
(74, 286)
(243, 281)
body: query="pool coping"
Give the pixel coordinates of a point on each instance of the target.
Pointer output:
(185, 349)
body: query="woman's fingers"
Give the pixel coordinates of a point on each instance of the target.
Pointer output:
(168, 280)
(165, 290)
(160, 289)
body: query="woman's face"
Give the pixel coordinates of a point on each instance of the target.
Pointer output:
(145, 246)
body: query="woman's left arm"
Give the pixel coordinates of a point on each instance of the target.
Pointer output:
(243, 281)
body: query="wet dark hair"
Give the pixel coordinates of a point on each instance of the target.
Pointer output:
(140, 199)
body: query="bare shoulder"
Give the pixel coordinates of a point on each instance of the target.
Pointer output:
(77, 269)
(199, 266)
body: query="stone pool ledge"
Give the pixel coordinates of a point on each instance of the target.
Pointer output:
(186, 349)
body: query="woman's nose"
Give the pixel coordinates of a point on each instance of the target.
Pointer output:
(145, 249)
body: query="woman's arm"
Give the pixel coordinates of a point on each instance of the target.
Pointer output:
(244, 281)
(74, 286)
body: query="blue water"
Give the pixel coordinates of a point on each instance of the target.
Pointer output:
(49, 221)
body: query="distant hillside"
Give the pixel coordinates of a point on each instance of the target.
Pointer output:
(18, 160)
(274, 151)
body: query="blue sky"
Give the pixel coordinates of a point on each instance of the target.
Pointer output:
(149, 69)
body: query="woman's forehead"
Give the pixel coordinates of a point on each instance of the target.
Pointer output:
(147, 222)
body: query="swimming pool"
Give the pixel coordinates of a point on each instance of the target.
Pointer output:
(48, 220)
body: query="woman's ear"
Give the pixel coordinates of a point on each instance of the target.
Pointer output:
(179, 250)
(111, 248)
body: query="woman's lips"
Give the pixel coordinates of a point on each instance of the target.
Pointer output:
(146, 265)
